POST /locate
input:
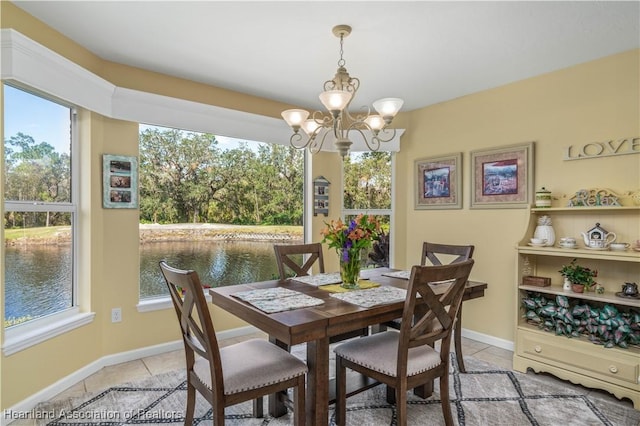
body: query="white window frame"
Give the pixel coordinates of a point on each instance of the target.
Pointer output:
(376, 212)
(33, 332)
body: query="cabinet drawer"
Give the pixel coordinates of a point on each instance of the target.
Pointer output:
(580, 356)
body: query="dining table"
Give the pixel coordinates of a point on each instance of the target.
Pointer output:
(314, 316)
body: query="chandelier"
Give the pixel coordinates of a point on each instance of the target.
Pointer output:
(338, 122)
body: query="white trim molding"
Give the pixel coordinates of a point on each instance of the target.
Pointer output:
(38, 331)
(26, 62)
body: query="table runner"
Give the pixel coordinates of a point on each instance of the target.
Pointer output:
(372, 297)
(337, 288)
(278, 299)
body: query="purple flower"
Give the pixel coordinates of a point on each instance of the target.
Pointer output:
(345, 255)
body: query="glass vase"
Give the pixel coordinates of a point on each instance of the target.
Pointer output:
(350, 269)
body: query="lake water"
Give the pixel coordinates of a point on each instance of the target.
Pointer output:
(218, 263)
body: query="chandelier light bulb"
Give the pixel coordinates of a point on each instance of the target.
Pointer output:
(388, 107)
(309, 126)
(375, 122)
(335, 100)
(295, 117)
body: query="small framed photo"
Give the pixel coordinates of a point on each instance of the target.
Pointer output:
(502, 177)
(439, 182)
(119, 182)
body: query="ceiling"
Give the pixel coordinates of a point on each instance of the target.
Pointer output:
(422, 51)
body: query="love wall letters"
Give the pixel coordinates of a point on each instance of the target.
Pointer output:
(603, 149)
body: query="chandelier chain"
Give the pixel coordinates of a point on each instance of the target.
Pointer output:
(341, 61)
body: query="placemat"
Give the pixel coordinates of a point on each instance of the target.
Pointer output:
(405, 275)
(278, 299)
(320, 279)
(372, 297)
(337, 288)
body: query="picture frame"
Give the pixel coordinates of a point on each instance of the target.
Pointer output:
(119, 182)
(502, 177)
(321, 196)
(438, 183)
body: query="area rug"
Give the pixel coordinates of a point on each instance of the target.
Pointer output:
(485, 395)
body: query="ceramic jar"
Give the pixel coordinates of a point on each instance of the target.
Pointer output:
(543, 198)
(545, 231)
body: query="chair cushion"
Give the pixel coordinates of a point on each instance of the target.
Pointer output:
(252, 364)
(379, 352)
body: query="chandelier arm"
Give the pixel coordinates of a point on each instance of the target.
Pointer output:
(386, 130)
(373, 145)
(359, 117)
(296, 138)
(316, 146)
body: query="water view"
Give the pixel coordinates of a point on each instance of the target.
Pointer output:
(218, 263)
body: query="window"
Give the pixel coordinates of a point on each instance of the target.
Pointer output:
(367, 189)
(40, 210)
(215, 205)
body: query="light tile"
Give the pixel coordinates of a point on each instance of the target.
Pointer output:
(498, 356)
(116, 374)
(165, 362)
(470, 347)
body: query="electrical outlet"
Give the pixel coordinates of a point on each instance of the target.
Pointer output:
(116, 315)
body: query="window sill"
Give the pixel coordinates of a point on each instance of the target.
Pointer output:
(160, 303)
(20, 339)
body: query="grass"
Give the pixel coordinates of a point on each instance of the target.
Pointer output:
(40, 233)
(43, 233)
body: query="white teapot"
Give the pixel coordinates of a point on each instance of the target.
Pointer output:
(598, 238)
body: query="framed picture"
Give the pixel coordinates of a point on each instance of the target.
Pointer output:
(502, 177)
(321, 196)
(438, 182)
(119, 182)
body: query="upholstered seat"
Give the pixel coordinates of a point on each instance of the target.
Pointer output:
(406, 359)
(435, 254)
(227, 376)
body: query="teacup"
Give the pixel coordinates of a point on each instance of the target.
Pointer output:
(630, 289)
(568, 245)
(538, 241)
(619, 246)
(568, 240)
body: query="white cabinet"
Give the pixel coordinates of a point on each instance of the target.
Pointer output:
(616, 370)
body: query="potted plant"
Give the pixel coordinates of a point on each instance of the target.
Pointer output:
(579, 276)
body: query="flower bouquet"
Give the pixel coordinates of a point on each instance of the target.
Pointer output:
(349, 240)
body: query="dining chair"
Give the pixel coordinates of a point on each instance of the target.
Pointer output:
(286, 259)
(407, 358)
(227, 376)
(435, 254)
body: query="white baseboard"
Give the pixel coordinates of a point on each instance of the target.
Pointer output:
(489, 340)
(51, 391)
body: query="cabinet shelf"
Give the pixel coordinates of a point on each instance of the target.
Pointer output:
(606, 297)
(620, 256)
(616, 370)
(607, 209)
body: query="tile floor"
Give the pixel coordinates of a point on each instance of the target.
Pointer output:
(158, 364)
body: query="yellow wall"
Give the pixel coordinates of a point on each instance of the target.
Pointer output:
(596, 101)
(591, 102)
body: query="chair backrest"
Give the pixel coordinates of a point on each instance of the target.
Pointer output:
(191, 307)
(285, 253)
(431, 317)
(430, 252)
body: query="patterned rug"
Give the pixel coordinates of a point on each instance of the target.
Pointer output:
(485, 395)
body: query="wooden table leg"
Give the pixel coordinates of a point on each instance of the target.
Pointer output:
(277, 407)
(317, 397)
